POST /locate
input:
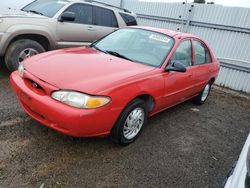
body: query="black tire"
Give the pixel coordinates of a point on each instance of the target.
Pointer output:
(199, 99)
(15, 48)
(117, 133)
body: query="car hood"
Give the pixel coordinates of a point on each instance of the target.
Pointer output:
(84, 69)
(13, 13)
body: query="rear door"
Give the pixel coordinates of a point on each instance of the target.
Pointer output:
(202, 65)
(78, 32)
(105, 21)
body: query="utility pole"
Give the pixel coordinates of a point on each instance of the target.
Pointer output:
(121, 3)
(183, 14)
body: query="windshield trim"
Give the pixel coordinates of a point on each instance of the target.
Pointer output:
(156, 66)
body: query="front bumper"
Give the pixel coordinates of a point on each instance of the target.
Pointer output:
(60, 117)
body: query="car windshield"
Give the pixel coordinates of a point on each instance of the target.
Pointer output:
(45, 7)
(138, 45)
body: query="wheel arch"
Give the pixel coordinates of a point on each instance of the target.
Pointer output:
(39, 36)
(212, 80)
(41, 39)
(148, 99)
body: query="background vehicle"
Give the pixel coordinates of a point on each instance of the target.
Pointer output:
(46, 25)
(112, 86)
(239, 175)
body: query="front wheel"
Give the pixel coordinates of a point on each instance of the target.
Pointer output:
(130, 123)
(20, 50)
(203, 95)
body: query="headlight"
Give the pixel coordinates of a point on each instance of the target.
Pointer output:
(20, 69)
(80, 100)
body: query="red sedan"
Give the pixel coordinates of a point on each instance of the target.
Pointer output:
(113, 86)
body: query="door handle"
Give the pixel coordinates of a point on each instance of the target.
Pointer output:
(91, 28)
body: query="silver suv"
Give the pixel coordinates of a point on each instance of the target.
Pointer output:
(51, 24)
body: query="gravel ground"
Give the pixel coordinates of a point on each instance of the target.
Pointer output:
(185, 146)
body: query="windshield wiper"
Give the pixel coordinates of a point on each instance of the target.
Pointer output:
(118, 55)
(99, 49)
(35, 12)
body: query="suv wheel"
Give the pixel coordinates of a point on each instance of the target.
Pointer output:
(20, 50)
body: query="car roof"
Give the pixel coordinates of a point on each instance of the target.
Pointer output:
(171, 33)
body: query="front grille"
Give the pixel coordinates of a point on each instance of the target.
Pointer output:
(34, 86)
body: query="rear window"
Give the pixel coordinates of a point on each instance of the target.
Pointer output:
(128, 19)
(105, 17)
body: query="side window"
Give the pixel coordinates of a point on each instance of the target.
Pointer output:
(105, 17)
(202, 55)
(128, 19)
(183, 53)
(84, 13)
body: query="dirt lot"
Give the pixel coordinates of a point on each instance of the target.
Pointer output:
(185, 146)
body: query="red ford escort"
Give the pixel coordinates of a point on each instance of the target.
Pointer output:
(114, 85)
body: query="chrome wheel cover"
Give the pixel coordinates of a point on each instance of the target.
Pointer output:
(133, 123)
(28, 52)
(205, 93)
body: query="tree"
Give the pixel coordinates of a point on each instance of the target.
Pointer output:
(200, 1)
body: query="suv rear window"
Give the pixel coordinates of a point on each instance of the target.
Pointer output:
(128, 19)
(105, 17)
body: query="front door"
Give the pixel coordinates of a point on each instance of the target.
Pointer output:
(179, 85)
(78, 32)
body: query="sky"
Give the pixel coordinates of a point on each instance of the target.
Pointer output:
(237, 3)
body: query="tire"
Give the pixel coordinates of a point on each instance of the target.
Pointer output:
(203, 95)
(121, 133)
(19, 50)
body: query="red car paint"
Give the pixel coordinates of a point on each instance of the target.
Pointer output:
(106, 75)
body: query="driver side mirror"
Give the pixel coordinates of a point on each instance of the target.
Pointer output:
(67, 16)
(176, 66)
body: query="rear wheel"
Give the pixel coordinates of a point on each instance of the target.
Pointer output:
(20, 50)
(203, 95)
(130, 123)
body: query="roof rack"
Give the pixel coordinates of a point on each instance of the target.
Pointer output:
(106, 4)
